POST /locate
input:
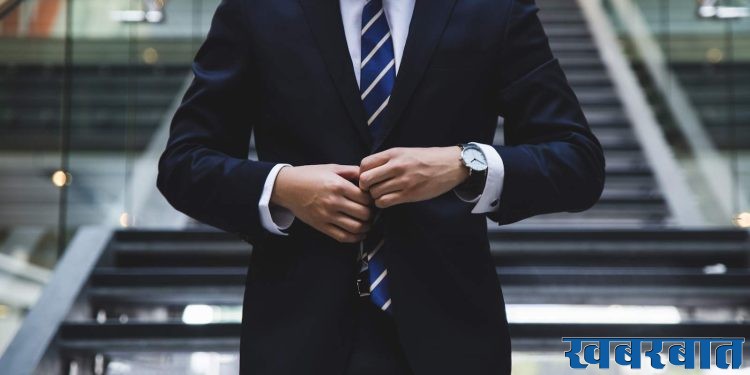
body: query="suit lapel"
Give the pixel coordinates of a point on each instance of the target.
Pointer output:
(428, 22)
(324, 18)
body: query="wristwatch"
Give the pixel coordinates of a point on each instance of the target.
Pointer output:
(474, 159)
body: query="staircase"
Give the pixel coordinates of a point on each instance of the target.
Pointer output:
(714, 74)
(138, 300)
(117, 106)
(114, 107)
(631, 197)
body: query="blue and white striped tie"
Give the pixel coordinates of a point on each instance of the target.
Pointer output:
(377, 65)
(377, 76)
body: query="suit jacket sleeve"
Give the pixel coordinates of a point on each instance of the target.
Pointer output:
(552, 160)
(204, 171)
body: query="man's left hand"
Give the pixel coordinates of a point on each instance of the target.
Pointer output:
(411, 174)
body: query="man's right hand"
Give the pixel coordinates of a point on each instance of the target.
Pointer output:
(324, 197)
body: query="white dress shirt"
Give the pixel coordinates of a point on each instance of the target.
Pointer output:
(398, 13)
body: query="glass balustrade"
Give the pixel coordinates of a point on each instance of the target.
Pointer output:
(87, 88)
(693, 61)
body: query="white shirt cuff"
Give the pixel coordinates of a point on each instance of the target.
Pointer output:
(274, 219)
(489, 199)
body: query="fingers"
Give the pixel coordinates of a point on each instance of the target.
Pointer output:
(341, 235)
(379, 183)
(391, 199)
(348, 172)
(377, 175)
(346, 211)
(388, 186)
(355, 194)
(344, 228)
(379, 167)
(376, 160)
(351, 225)
(355, 210)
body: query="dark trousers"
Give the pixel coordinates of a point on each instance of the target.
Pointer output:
(376, 348)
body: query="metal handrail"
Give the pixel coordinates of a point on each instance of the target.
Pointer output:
(28, 347)
(8, 6)
(677, 191)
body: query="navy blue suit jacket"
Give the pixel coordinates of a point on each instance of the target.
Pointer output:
(281, 69)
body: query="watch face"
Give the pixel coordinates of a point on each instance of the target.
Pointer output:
(474, 158)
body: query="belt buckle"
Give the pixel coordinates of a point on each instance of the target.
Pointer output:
(363, 289)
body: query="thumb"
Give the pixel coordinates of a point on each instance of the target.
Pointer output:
(349, 172)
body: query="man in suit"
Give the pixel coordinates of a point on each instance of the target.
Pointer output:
(367, 208)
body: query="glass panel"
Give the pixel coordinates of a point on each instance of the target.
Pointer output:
(699, 84)
(132, 59)
(86, 93)
(32, 178)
